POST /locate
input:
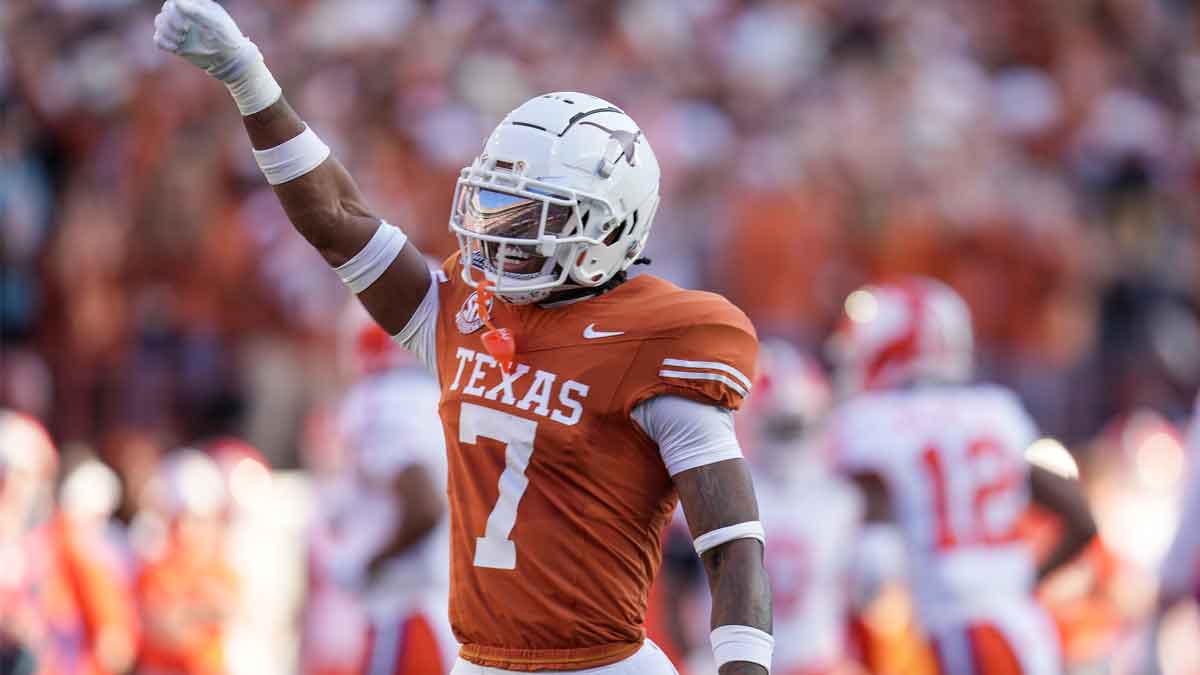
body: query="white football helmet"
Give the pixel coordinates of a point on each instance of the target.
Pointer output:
(791, 395)
(28, 464)
(562, 196)
(896, 333)
(187, 482)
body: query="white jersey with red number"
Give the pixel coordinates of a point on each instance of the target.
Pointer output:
(952, 458)
(812, 519)
(387, 423)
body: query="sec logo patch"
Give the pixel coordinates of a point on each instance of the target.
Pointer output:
(468, 319)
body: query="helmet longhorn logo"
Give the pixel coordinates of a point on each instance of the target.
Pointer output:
(626, 140)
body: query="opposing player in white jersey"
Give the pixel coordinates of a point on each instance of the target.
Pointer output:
(944, 459)
(382, 528)
(1179, 576)
(811, 515)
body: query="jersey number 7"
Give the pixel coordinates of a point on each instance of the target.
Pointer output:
(494, 549)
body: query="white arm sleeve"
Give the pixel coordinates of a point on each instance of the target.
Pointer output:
(689, 434)
(420, 334)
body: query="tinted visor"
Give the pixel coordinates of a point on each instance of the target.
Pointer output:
(500, 214)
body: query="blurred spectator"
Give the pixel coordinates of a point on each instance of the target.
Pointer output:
(186, 590)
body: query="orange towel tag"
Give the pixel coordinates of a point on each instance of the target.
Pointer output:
(499, 342)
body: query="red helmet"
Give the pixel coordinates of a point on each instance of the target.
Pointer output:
(894, 333)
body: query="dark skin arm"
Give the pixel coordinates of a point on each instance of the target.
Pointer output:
(423, 507)
(715, 496)
(327, 208)
(878, 506)
(1063, 498)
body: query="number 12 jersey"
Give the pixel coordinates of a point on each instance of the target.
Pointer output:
(952, 458)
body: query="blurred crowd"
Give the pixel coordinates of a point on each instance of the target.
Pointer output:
(1040, 156)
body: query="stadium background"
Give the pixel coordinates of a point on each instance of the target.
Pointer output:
(1041, 156)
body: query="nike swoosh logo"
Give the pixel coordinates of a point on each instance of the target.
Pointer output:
(591, 333)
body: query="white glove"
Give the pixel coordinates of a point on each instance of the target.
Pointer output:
(202, 32)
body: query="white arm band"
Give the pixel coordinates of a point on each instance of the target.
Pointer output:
(742, 643)
(372, 261)
(752, 529)
(292, 159)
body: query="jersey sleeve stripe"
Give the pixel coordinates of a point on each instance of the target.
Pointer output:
(711, 365)
(716, 377)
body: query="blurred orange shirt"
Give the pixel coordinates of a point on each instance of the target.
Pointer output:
(185, 599)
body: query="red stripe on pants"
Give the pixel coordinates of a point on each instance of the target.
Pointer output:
(991, 652)
(420, 653)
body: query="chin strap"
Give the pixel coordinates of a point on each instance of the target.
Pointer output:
(499, 342)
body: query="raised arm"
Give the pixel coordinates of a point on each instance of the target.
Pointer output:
(321, 199)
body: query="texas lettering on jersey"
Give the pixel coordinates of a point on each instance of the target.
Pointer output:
(558, 499)
(543, 393)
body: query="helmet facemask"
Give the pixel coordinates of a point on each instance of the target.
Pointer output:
(528, 238)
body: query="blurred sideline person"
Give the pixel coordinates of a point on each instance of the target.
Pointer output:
(1179, 575)
(186, 590)
(64, 607)
(811, 515)
(382, 531)
(945, 460)
(591, 405)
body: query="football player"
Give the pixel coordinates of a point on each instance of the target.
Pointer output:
(64, 607)
(578, 405)
(811, 515)
(945, 460)
(382, 530)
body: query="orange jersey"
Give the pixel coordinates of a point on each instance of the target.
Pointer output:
(558, 499)
(183, 599)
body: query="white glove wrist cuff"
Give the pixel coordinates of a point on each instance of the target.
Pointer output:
(293, 158)
(742, 643)
(365, 268)
(250, 82)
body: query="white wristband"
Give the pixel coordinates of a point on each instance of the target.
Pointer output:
(359, 272)
(254, 88)
(752, 529)
(293, 158)
(742, 643)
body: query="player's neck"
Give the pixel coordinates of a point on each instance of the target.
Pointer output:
(572, 296)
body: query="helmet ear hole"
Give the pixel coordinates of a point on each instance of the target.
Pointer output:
(615, 236)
